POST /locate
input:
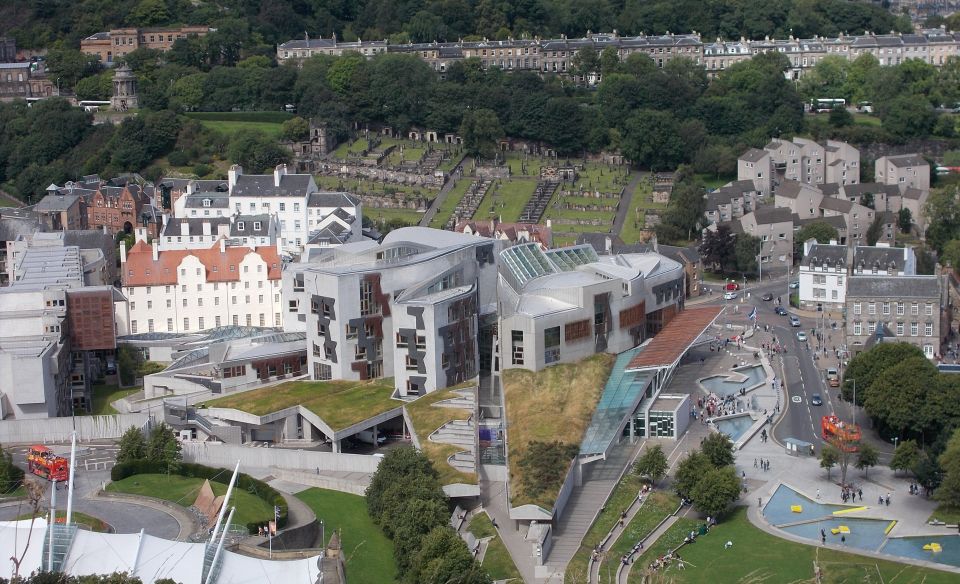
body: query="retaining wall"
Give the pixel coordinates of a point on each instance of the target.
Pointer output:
(47, 430)
(227, 455)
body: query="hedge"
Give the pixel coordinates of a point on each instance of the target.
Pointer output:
(246, 482)
(265, 117)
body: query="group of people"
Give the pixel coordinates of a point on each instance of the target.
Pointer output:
(848, 493)
(761, 464)
(666, 560)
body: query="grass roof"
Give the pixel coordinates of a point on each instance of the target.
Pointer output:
(339, 403)
(556, 403)
(426, 419)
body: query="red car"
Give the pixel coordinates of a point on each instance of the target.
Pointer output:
(731, 286)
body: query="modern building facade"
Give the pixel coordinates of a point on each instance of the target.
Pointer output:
(561, 305)
(411, 307)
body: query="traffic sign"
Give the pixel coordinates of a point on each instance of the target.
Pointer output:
(796, 399)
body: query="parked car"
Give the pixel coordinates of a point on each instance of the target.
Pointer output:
(833, 378)
(767, 297)
(729, 295)
(731, 286)
(794, 321)
(816, 400)
(780, 310)
(794, 285)
(366, 436)
(111, 366)
(802, 336)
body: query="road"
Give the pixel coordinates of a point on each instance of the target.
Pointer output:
(804, 376)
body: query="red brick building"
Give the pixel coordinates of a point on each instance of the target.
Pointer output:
(118, 208)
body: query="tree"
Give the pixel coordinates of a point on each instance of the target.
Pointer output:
(905, 220)
(150, 13)
(746, 250)
(443, 557)
(901, 398)
(689, 472)
(295, 129)
(829, 456)
(907, 117)
(875, 230)
(585, 62)
(928, 471)
(653, 463)
(163, 445)
(133, 446)
(255, 152)
(949, 491)
(128, 361)
(95, 87)
(652, 140)
(11, 476)
(905, 456)
(716, 490)
(868, 365)
(867, 458)
(66, 66)
(718, 449)
(480, 130)
(718, 249)
(822, 231)
(400, 466)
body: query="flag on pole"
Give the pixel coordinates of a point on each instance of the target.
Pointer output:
(753, 314)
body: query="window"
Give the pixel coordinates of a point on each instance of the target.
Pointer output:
(857, 328)
(412, 364)
(263, 320)
(169, 303)
(322, 371)
(914, 329)
(169, 325)
(928, 329)
(216, 322)
(928, 351)
(516, 338)
(133, 306)
(840, 281)
(899, 329)
(886, 308)
(551, 345)
(150, 325)
(856, 308)
(256, 225)
(900, 310)
(871, 327)
(200, 301)
(915, 309)
(928, 309)
(368, 305)
(200, 323)
(296, 206)
(283, 206)
(184, 301)
(871, 308)
(186, 324)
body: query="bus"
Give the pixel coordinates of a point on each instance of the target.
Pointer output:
(819, 106)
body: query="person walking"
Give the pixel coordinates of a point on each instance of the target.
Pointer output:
(818, 494)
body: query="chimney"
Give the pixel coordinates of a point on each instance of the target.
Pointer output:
(279, 171)
(232, 174)
(608, 244)
(223, 230)
(223, 245)
(123, 254)
(184, 228)
(206, 228)
(156, 251)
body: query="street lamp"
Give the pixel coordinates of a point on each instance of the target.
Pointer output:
(895, 440)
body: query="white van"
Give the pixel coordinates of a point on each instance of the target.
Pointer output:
(366, 436)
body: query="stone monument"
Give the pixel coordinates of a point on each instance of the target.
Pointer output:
(124, 90)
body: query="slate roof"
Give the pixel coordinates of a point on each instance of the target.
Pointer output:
(830, 189)
(13, 227)
(249, 226)
(881, 257)
(835, 204)
(836, 221)
(599, 241)
(262, 185)
(754, 155)
(914, 193)
(821, 253)
(217, 200)
(173, 226)
(767, 215)
(332, 199)
(905, 160)
(899, 287)
(54, 203)
(789, 189)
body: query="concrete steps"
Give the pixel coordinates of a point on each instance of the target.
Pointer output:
(463, 461)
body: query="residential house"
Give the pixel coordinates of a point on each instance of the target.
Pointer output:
(756, 166)
(509, 233)
(774, 227)
(904, 171)
(906, 309)
(857, 218)
(111, 45)
(59, 211)
(182, 290)
(802, 199)
(823, 275)
(841, 163)
(731, 201)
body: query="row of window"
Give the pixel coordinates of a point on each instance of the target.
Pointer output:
(872, 308)
(216, 301)
(899, 328)
(201, 323)
(216, 286)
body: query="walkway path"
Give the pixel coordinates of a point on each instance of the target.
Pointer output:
(625, 201)
(447, 187)
(623, 572)
(615, 532)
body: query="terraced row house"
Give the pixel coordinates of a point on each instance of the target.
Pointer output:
(933, 46)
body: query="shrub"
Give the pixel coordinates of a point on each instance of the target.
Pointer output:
(178, 158)
(246, 482)
(545, 466)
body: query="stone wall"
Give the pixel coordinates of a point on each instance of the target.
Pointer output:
(47, 430)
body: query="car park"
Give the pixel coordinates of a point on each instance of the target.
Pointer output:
(780, 310)
(801, 336)
(729, 295)
(794, 321)
(767, 297)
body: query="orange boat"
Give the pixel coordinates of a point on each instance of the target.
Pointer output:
(841, 434)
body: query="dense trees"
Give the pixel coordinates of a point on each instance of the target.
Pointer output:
(11, 476)
(405, 499)
(36, 24)
(707, 476)
(653, 464)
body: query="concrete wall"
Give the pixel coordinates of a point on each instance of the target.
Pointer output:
(227, 455)
(59, 429)
(572, 481)
(353, 486)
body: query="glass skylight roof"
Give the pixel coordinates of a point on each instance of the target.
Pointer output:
(621, 395)
(568, 258)
(526, 262)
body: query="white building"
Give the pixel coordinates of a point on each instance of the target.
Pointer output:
(197, 289)
(203, 232)
(561, 305)
(410, 308)
(826, 269)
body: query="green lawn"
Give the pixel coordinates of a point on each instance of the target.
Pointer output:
(506, 199)
(757, 556)
(15, 494)
(497, 561)
(104, 394)
(368, 553)
(642, 200)
(946, 513)
(658, 507)
(183, 491)
(712, 181)
(272, 130)
(450, 203)
(603, 177)
(426, 419)
(867, 120)
(369, 187)
(339, 403)
(408, 216)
